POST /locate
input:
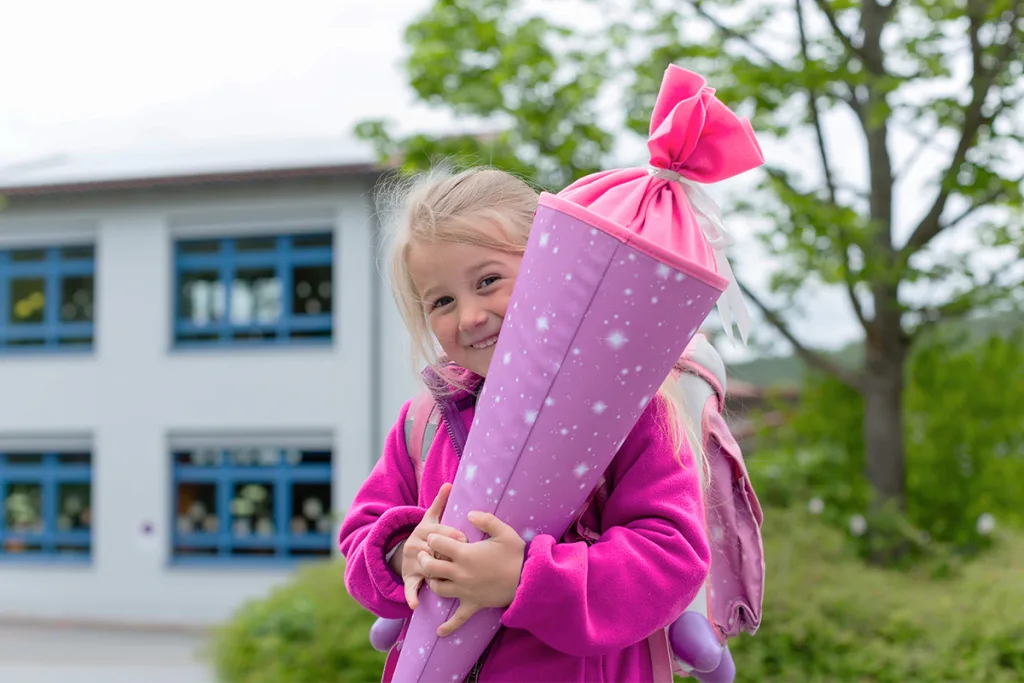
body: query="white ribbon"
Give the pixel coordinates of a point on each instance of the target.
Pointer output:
(709, 218)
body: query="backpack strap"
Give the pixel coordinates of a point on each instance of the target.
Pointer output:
(421, 424)
(700, 376)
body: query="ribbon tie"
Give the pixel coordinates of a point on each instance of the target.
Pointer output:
(709, 217)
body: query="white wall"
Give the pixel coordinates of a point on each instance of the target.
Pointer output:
(134, 392)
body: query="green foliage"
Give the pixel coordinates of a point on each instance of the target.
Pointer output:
(943, 74)
(965, 437)
(531, 82)
(307, 631)
(829, 618)
(826, 618)
(965, 450)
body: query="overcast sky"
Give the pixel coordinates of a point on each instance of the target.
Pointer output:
(109, 74)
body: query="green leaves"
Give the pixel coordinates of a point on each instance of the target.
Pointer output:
(530, 81)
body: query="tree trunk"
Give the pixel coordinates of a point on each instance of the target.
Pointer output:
(883, 412)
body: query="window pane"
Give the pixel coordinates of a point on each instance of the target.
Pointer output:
(311, 293)
(24, 459)
(252, 510)
(196, 509)
(255, 244)
(86, 253)
(255, 296)
(28, 300)
(76, 298)
(23, 510)
(202, 299)
(199, 247)
(28, 255)
(201, 457)
(324, 239)
(311, 509)
(74, 507)
(74, 458)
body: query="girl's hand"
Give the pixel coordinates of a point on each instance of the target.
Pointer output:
(483, 574)
(410, 567)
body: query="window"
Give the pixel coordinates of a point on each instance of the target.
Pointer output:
(257, 290)
(46, 299)
(47, 506)
(251, 504)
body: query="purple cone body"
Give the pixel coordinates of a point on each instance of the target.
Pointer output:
(593, 328)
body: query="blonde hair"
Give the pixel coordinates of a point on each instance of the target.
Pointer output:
(484, 207)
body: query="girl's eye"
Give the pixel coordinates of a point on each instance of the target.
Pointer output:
(488, 281)
(442, 302)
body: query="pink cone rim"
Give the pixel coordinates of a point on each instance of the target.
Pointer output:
(636, 241)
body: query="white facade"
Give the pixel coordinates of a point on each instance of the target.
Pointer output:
(135, 393)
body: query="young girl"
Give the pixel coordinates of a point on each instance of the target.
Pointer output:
(576, 610)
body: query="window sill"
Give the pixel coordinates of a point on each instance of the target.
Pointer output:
(38, 561)
(243, 564)
(218, 348)
(47, 352)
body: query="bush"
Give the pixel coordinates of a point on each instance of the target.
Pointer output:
(964, 447)
(307, 631)
(827, 617)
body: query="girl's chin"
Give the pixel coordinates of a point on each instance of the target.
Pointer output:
(480, 360)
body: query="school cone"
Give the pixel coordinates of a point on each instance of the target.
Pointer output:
(596, 322)
(606, 300)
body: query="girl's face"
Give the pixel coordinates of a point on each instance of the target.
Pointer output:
(465, 291)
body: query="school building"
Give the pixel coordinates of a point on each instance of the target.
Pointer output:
(199, 361)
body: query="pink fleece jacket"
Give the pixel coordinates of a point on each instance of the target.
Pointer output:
(582, 611)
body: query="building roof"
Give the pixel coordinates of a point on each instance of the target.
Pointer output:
(142, 167)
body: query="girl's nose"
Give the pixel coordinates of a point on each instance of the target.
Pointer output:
(471, 317)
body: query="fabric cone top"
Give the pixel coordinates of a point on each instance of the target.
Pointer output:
(694, 139)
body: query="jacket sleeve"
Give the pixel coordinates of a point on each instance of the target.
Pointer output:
(643, 571)
(384, 512)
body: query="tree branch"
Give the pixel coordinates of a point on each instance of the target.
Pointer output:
(812, 358)
(924, 142)
(980, 203)
(974, 119)
(812, 107)
(826, 167)
(698, 6)
(833, 21)
(980, 295)
(850, 98)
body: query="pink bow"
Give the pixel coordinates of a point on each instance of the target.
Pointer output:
(694, 139)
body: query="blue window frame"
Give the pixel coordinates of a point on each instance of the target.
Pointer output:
(47, 506)
(254, 290)
(46, 299)
(251, 504)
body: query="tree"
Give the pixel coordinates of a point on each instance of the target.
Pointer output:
(936, 72)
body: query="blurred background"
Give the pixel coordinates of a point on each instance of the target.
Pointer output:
(202, 359)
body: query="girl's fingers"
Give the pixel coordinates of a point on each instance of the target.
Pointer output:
(434, 568)
(461, 616)
(412, 589)
(450, 532)
(448, 547)
(444, 589)
(436, 509)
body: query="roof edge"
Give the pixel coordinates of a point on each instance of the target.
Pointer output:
(193, 180)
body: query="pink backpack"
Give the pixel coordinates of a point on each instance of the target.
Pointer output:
(730, 601)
